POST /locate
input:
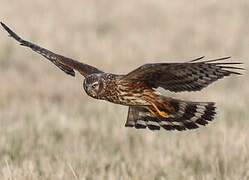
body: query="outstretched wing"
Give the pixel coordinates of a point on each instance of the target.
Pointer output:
(65, 64)
(189, 76)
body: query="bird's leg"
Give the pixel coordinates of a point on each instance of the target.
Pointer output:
(161, 113)
(151, 111)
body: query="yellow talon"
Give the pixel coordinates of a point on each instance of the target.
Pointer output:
(164, 114)
(158, 112)
(161, 113)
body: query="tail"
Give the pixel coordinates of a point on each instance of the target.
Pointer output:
(186, 115)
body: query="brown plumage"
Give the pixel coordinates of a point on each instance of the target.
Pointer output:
(147, 107)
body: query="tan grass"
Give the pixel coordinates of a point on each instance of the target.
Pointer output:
(50, 129)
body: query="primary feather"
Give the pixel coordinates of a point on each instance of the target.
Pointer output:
(189, 76)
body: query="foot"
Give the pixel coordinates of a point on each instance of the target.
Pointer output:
(161, 113)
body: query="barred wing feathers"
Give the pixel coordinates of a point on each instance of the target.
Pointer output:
(189, 76)
(189, 115)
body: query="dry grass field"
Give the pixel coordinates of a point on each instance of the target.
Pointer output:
(49, 127)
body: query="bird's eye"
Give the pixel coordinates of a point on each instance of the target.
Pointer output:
(94, 85)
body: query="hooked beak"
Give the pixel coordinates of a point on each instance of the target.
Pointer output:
(89, 89)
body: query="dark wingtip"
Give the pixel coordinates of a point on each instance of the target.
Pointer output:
(5, 27)
(11, 33)
(197, 59)
(208, 61)
(218, 59)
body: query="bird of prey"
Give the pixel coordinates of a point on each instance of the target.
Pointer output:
(137, 89)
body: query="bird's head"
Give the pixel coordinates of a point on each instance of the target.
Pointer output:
(93, 85)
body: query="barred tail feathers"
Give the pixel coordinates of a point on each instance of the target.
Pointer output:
(187, 115)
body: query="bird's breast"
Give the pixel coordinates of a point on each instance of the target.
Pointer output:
(129, 93)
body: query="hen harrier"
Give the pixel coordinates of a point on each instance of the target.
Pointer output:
(147, 107)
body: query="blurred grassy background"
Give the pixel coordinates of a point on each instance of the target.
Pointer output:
(50, 129)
